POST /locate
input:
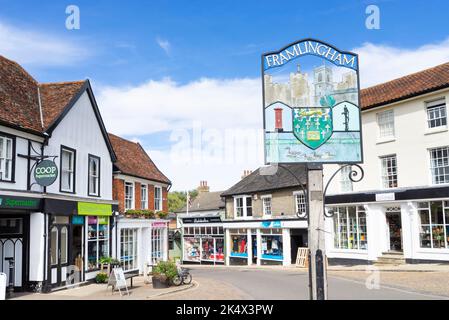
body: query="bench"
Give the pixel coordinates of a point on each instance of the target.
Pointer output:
(131, 275)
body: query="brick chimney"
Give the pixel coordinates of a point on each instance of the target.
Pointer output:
(203, 187)
(246, 173)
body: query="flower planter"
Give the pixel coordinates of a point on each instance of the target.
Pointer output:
(160, 282)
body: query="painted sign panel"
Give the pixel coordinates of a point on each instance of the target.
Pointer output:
(46, 173)
(9, 202)
(311, 104)
(94, 209)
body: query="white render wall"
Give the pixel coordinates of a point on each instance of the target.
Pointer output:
(411, 144)
(37, 244)
(80, 130)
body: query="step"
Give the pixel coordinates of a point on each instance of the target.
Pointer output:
(390, 260)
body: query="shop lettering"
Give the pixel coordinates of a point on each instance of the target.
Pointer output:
(12, 203)
(246, 309)
(46, 172)
(186, 310)
(310, 48)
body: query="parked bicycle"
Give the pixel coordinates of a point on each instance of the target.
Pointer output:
(183, 277)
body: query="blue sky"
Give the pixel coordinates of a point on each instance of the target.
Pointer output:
(136, 50)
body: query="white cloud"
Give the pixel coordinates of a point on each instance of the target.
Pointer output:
(32, 47)
(164, 44)
(380, 63)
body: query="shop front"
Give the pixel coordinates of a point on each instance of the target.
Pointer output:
(202, 240)
(263, 242)
(15, 238)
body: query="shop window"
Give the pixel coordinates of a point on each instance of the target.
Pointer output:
(439, 165)
(385, 124)
(350, 228)
(128, 248)
(129, 195)
(192, 249)
(266, 201)
(239, 246)
(272, 247)
(434, 224)
(243, 207)
(300, 203)
(436, 114)
(345, 181)
(97, 240)
(143, 196)
(6, 158)
(389, 172)
(67, 182)
(94, 176)
(157, 198)
(157, 241)
(54, 248)
(9, 227)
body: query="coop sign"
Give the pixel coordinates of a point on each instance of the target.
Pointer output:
(46, 173)
(311, 104)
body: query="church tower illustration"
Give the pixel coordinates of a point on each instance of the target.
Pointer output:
(323, 83)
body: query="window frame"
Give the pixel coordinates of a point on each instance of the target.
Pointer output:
(73, 151)
(125, 234)
(441, 104)
(6, 136)
(161, 208)
(133, 196)
(90, 156)
(142, 202)
(380, 134)
(431, 225)
(432, 168)
(244, 207)
(385, 183)
(337, 233)
(296, 196)
(267, 197)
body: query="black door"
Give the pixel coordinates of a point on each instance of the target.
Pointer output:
(59, 249)
(395, 228)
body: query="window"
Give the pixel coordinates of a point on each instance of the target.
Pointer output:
(436, 114)
(67, 182)
(243, 207)
(157, 236)
(345, 181)
(434, 224)
(6, 158)
(97, 240)
(128, 248)
(300, 203)
(158, 198)
(94, 176)
(143, 196)
(266, 200)
(439, 165)
(385, 123)
(350, 228)
(129, 196)
(389, 172)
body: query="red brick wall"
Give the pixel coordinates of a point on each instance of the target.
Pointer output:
(150, 197)
(164, 199)
(118, 193)
(137, 199)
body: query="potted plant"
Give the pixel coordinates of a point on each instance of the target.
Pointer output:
(163, 274)
(101, 277)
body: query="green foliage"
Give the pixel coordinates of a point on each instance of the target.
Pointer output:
(101, 277)
(162, 214)
(177, 199)
(141, 213)
(167, 268)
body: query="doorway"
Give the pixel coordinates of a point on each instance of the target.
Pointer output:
(254, 248)
(298, 239)
(395, 230)
(59, 257)
(77, 255)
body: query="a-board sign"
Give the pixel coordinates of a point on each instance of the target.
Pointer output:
(311, 104)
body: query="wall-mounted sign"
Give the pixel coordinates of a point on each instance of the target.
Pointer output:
(46, 173)
(202, 220)
(385, 196)
(311, 104)
(7, 202)
(78, 220)
(159, 224)
(94, 209)
(271, 224)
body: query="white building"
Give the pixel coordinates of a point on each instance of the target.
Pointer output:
(402, 204)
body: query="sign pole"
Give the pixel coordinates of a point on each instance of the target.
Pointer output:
(317, 264)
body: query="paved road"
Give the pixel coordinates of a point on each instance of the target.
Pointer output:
(287, 284)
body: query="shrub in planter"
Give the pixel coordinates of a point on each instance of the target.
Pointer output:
(101, 277)
(163, 274)
(162, 214)
(149, 214)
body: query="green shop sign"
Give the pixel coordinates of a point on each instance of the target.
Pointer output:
(19, 203)
(46, 173)
(94, 209)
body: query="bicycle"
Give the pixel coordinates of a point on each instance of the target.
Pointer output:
(183, 277)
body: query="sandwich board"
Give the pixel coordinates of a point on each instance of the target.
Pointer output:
(118, 281)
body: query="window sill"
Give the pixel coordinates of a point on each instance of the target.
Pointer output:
(435, 130)
(8, 181)
(385, 140)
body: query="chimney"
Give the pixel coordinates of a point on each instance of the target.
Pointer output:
(246, 173)
(278, 119)
(203, 187)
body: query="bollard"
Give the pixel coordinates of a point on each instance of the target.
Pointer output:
(11, 277)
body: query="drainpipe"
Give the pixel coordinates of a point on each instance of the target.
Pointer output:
(46, 222)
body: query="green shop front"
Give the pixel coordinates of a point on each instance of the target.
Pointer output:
(79, 237)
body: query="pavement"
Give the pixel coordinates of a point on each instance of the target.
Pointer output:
(140, 291)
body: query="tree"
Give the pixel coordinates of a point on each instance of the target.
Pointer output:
(177, 199)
